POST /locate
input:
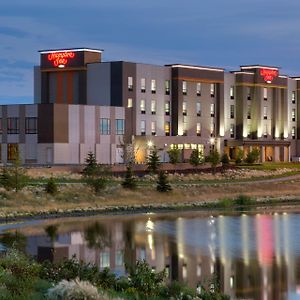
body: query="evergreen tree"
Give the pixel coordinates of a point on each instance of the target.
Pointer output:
(91, 167)
(129, 181)
(214, 159)
(195, 158)
(239, 157)
(153, 161)
(174, 155)
(51, 187)
(162, 183)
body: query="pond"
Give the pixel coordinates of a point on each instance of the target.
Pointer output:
(252, 256)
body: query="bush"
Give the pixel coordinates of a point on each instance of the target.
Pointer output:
(239, 157)
(174, 156)
(129, 181)
(51, 187)
(226, 203)
(213, 159)
(253, 156)
(96, 184)
(243, 200)
(195, 158)
(225, 160)
(13, 178)
(163, 185)
(177, 290)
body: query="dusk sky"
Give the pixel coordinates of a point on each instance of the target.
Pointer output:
(215, 33)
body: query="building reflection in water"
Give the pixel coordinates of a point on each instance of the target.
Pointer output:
(252, 256)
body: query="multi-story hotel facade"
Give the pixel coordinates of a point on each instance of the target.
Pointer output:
(83, 104)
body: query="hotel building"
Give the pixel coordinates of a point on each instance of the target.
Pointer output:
(83, 104)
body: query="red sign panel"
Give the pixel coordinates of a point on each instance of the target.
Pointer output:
(60, 59)
(268, 74)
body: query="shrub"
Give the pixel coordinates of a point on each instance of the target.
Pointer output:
(129, 181)
(226, 203)
(239, 157)
(73, 289)
(178, 290)
(253, 156)
(195, 158)
(225, 160)
(162, 183)
(243, 200)
(51, 187)
(174, 156)
(96, 184)
(214, 159)
(153, 161)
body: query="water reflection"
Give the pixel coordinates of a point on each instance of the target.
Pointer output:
(252, 256)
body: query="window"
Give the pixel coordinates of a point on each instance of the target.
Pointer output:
(231, 92)
(265, 94)
(198, 88)
(293, 97)
(143, 127)
(198, 129)
(212, 110)
(293, 114)
(13, 126)
(249, 130)
(143, 106)
(167, 108)
(212, 89)
(167, 87)
(184, 87)
(143, 85)
(104, 126)
(249, 112)
(293, 133)
(265, 131)
(31, 125)
(153, 128)
(184, 108)
(130, 83)
(104, 260)
(153, 107)
(231, 111)
(265, 112)
(167, 128)
(12, 151)
(119, 258)
(153, 86)
(198, 109)
(120, 126)
(232, 130)
(248, 93)
(129, 102)
(184, 131)
(212, 129)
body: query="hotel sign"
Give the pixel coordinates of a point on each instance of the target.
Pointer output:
(268, 74)
(60, 59)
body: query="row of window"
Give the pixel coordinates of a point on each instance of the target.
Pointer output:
(143, 86)
(13, 125)
(105, 126)
(265, 131)
(198, 88)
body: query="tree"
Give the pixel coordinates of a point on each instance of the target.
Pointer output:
(91, 167)
(129, 181)
(162, 183)
(51, 187)
(239, 157)
(174, 155)
(195, 158)
(253, 156)
(153, 161)
(214, 159)
(14, 178)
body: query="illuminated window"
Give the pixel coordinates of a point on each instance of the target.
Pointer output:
(129, 102)
(265, 112)
(130, 83)
(30, 125)
(153, 107)
(184, 272)
(184, 125)
(265, 94)
(198, 88)
(167, 128)
(167, 87)
(293, 133)
(232, 130)
(184, 87)
(231, 111)
(13, 126)
(153, 128)
(248, 93)
(184, 108)
(231, 281)
(199, 270)
(212, 129)
(249, 112)
(293, 114)
(212, 89)
(232, 92)
(143, 85)
(293, 97)
(167, 108)
(104, 126)
(153, 86)
(120, 126)
(212, 110)
(104, 260)
(143, 127)
(143, 106)
(198, 129)
(119, 258)
(198, 109)
(265, 134)
(249, 130)
(12, 151)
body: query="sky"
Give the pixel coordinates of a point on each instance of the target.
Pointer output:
(219, 33)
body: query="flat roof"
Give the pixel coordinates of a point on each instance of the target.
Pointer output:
(245, 67)
(196, 67)
(70, 49)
